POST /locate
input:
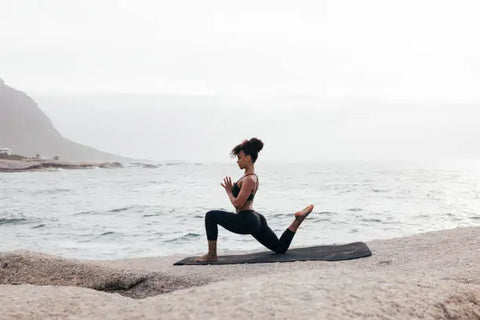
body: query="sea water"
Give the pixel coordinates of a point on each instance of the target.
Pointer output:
(159, 209)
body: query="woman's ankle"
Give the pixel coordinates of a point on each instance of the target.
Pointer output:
(294, 226)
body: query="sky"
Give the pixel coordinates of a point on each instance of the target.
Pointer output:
(190, 79)
(421, 50)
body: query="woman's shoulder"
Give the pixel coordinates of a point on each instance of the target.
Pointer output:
(251, 178)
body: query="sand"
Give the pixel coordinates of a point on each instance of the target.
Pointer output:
(433, 275)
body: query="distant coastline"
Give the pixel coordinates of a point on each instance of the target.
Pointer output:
(17, 163)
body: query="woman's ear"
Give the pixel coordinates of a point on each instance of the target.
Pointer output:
(248, 158)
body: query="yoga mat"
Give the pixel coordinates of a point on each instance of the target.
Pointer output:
(328, 253)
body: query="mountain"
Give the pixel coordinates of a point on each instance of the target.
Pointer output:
(26, 130)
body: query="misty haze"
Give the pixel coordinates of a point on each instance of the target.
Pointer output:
(296, 128)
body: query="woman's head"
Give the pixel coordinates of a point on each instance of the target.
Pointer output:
(247, 151)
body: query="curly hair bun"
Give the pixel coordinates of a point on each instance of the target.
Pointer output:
(249, 147)
(257, 144)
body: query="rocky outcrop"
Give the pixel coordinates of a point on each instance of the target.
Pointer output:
(28, 131)
(433, 276)
(22, 267)
(34, 165)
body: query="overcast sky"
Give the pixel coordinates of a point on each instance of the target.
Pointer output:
(328, 79)
(419, 50)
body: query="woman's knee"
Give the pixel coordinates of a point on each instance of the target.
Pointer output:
(280, 249)
(211, 215)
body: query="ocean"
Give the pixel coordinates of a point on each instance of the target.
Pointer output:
(158, 210)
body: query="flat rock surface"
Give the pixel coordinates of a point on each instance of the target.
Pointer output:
(433, 275)
(20, 267)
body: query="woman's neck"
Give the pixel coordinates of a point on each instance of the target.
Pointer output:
(249, 170)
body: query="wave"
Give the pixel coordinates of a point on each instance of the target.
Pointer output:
(327, 213)
(84, 213)
(320, 219)
(279, 215)
(158, 182)
(371, 220)
(107, 233)
(52, 191)
(175, 164)
(145, 165)
(184, 238)
(120, 209)
(131, 207)
(115, 210)
(379, 190)
(13, 221)
(151, 166)
(152, 214)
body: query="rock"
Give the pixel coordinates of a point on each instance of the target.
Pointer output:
(24, 267)
(427, 276)
(145, 165)
(108, 165)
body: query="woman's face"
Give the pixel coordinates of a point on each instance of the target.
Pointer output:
(242, 160)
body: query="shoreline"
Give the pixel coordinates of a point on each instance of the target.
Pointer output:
(433, 275)
(28, 165)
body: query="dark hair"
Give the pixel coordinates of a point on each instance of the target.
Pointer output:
(250, 147)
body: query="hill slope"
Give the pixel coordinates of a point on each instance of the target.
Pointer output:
(27, 131)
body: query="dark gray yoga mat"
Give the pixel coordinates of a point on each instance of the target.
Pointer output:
(328, 253)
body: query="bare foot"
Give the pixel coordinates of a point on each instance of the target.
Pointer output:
(300, 215)
(206, 257)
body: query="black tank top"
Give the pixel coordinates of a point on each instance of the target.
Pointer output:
(236, 189)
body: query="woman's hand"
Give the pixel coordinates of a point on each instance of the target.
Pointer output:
(227, 184)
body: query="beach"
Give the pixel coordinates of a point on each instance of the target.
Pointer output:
(432, 275)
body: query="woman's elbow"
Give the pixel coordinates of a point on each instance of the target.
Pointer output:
(237, 204)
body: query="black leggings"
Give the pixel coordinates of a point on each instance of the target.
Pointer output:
(247, 222)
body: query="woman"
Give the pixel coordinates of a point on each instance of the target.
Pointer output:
(246, 220)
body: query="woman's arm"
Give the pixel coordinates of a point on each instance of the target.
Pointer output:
(248, 186)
